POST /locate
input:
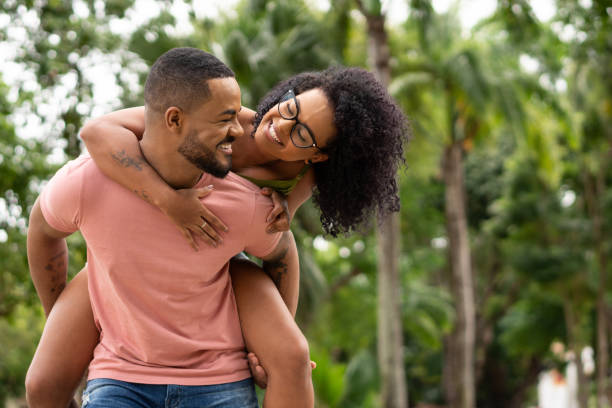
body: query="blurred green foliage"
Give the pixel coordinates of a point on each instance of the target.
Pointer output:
(537, 140)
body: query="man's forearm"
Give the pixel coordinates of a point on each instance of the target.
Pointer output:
(284, 269)
(48, 259)
(116, 152)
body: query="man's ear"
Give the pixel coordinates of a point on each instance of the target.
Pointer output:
(317, 157)
(174, 119)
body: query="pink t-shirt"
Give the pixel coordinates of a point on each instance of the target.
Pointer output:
(166, 313)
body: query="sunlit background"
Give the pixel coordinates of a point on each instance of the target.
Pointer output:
(521, 88)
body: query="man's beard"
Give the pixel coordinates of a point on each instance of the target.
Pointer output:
(203, 158)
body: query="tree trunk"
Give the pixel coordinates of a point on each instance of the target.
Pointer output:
(390, 335)
(602, 361)
(390, 338)
(462, 380)
(602, 336)
(573, 327)
(449, 368)
(594, 191)
(378, 48)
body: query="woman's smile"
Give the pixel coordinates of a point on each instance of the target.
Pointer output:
(272, 135)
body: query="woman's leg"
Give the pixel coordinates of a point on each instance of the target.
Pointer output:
(271, 333)
(65, 348)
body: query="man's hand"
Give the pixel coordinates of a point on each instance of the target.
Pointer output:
(279, 218)
(259, 373)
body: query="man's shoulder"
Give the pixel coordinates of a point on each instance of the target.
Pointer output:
(69, 173)
(61, 199)
(82, 164)
(74, 177)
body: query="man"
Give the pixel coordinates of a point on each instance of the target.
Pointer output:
(169, 330)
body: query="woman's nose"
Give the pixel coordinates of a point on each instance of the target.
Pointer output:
(286, 125)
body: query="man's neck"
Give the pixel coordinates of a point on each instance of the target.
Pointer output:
(171, 166)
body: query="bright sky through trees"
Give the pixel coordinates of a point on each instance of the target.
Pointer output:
(103, 68)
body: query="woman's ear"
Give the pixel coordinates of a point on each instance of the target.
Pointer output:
(174, 118)
(317, 157)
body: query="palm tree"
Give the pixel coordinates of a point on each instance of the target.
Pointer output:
(266, 42)
(453, 70)
(390, 334)
(590, 90)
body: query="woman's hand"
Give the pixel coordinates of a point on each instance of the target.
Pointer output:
(192, 218)
(260, 376)
(279, 218)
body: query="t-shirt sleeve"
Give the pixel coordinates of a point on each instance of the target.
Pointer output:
(61, 198)
(259, 242)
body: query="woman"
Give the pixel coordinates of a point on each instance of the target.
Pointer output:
(336, 134)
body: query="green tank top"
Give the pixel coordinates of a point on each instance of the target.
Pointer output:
(282, 186)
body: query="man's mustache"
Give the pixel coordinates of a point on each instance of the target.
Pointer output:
(228, 139)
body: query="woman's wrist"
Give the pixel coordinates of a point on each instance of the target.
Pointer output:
(163, 198)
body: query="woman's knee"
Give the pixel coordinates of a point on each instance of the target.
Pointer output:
(287, 351)
(292, 355)
(40, 388)
(33, 386)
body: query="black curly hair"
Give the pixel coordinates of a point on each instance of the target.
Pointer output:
(359, 178)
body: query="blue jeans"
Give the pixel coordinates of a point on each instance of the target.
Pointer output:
(108, 393)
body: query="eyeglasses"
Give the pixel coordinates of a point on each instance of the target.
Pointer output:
(289, 109)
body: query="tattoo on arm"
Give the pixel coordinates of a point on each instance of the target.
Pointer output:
(277, 268)
(144, 195)
(123, 159)
(57, 269)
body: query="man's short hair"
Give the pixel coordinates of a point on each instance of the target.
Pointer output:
(180, 77)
